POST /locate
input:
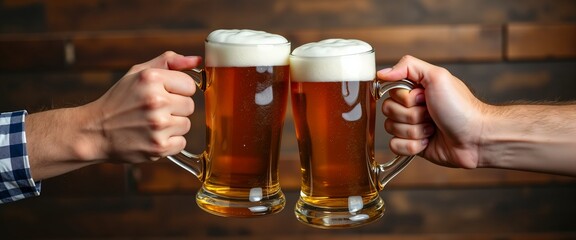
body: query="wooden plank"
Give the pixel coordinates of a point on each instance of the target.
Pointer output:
(432, 42)
(125, 49)
(527, 41)
(121, 50)
(165, 177)
(37, 52)
(457, 213)
(102, 15)
(101, 179)
(37, 91)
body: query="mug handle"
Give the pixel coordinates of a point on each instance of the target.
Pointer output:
(193, 163)
(389, 170)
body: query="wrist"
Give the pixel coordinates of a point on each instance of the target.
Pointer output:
(89, 145)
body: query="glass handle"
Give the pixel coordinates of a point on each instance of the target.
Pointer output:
(193, 163)
(389, 170)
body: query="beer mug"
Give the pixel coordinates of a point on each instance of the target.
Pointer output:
(334, 94)
(245, 82)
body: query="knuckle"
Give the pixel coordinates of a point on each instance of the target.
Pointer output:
(190, 106)
(412, 133)
(440, 72)
(388, 126)
(158, 123)
(187, 124)
(168, 54)
(412, 117)
(149, 75)
(386, 107)
(159, 147)
(152, 101)
(407, 58)
(136, 68)
(412, 148)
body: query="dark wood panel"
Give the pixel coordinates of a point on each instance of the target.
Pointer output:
(459, 213)
(31, 52)
(36, 91)
(432, 42)
(165, 177)
(123, 50)
(97, 180)
(506, 82)
(98, 15)
(531, 41)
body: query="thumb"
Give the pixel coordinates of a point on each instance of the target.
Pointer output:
(408, 67)
(171, 61)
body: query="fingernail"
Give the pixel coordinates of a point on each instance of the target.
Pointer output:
(420, 99)
(425, 141)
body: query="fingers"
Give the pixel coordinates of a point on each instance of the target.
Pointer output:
(407, 147)
(399, 113)
(409, 131)
(168, 139)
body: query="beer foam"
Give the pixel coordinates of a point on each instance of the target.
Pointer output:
(244, 48)
(333, 60)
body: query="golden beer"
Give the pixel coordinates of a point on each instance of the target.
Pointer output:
(334, 95)
(245, 111)
(246, 81)
(336, 139)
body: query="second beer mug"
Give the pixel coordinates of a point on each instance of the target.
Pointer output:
(334, 95)
(245, 82)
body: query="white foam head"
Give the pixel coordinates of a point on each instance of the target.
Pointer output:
(244, 48)
(333, 60)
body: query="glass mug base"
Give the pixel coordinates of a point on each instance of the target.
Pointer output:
(235, 207)
(333, 218)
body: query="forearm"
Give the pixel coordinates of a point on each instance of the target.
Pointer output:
(530, 137)
(60, 141)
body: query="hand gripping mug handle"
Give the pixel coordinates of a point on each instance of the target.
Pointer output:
(193, 163)
(389, 170)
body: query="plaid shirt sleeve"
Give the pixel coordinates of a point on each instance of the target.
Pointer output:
(15, 179)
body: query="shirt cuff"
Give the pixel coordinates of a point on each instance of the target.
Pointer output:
(15, 179)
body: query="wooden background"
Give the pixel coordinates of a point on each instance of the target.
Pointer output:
(68, 52)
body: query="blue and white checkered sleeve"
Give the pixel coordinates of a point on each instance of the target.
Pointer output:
(15, 179)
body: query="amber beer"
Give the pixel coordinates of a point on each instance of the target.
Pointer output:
(245, 110)
(246, 81)
(335, 138)
(333, 102)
